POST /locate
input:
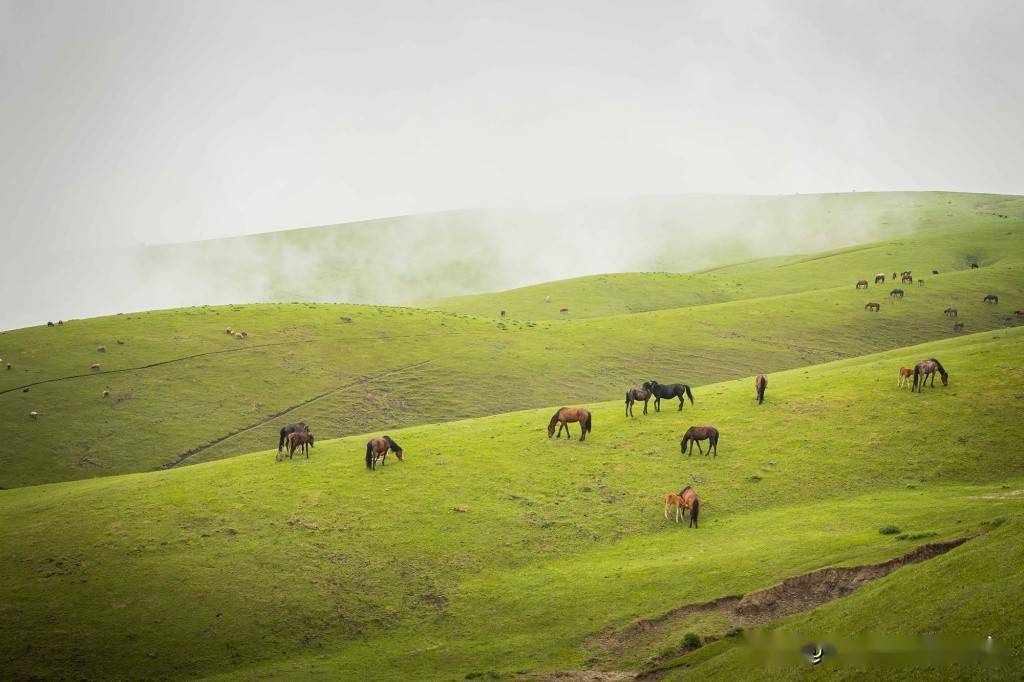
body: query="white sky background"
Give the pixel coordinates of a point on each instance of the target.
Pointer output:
(129, 122)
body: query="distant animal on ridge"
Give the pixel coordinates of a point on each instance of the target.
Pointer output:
(291, 428)
(926, 368)
(872, 306)
(991, 298)
(634, 394)
(563, 310)
(935, 272)
(695, 434)
(896, 294)
(880, 278)
(950, 312)
(862, 284)
(504, 313)
(377, 451)
(564, 415)
(668, 391)
(760, 384)
(1019, 313)
(904, 377)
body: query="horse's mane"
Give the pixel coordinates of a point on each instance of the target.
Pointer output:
(942, 370)
(554, 417)
(395, 447)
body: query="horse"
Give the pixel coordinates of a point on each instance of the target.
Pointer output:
(935, 272)
(894, 275)
(990, 298)
(950, 312)
(291, 428)
(904, 377)
(297, 440)
(920, 282)
(880, 278)
(974, 266)
(958, 326)
(563, 311)
(670, 499)
(1019, 313)
(925, 368)
(896, 293)
(377, 449)
(872, 306)
(906, 279)
(669, 391)
(634, 394)
(862, 283)
(504, 313)
(691, 501)
(564, 415)
(695, 434)
(760, 383)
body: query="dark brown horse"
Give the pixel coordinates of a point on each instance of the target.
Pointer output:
(291, 428)
(873, 306)
(926, 368)
(297, 440)
(950, 312)
(564, 415)
(896, 294)
(991, 298)
(906, 279)
(377, 450)
(691, 501)
(862, 283)
(760, 384)
(695, 434)
(634, 394)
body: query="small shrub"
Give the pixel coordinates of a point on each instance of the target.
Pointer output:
(691, 641)
(889, 530)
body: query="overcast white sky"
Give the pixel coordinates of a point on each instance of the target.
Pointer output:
(127, 122)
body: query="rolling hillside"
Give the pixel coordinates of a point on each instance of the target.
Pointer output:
(493, 551)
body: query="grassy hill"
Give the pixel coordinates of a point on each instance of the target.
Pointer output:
(181, 390)
(493, 551)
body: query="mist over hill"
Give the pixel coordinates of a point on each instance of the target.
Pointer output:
(405, 259)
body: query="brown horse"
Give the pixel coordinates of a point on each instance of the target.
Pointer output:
(760, 384)
(906, 279)
(377, 450)
(926, 368)
(873, 306)
(862, 283)
(297, 440)
(950, 312)
(691, 501)
(670, 499)
(564, 415)
(634, 394)
(695, 434)
(904, 377)
(1019, 313)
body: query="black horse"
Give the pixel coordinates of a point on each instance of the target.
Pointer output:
(291, 428)
(633, 395)
(668, 391)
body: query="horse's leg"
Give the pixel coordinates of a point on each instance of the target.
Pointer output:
(657, 404)
(645, 405)
(680, 512)
(699, 448)
(682, 401)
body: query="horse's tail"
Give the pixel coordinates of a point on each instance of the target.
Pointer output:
(942, 370)
(590, 421)
(369, 454)
(695, 510)
(280, 441)
(689, 393)
(917, 374)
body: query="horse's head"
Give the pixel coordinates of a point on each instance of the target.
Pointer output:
(945, 379)
(399, 455)
(551, 428)
(310, 439)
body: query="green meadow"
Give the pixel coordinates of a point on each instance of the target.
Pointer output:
(149, 533)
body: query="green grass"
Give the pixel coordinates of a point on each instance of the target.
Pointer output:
(392, 367)
(246, 567)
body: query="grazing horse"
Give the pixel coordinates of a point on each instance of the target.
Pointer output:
(695, 434)
(950, 312)
(920, 282)
(760, 383)
(990, 298)
(634, 394)
(880, 278)
(291, 428)
(691, 501)
(906, 279)
(974, 266)
(862, 283)
(872, 306)
(668, 391)
(904, 377)
(297, 440)
(923, 369)
(564, 415)
(377, 450)
(896, 294)
(1019, 313)
(958, 326)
